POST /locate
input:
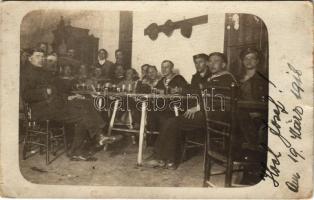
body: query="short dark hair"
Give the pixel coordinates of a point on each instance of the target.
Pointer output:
(169, 61)
(145, 65)
(249, 50)
(105, 51)
(153, 67)
(221, 55)
(201, 55)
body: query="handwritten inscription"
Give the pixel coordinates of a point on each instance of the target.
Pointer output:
(294, 184)
(272, 171)
(295, 131)
(277, 114)
(297, 82)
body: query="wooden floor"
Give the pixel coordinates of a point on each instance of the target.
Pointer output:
(115, 167)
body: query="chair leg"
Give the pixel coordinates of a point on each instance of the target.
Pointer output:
(228, 178)
(52, 141)
(41, 148)
(64, 140)
(207, 170)
(48, 136)
(26, 144)
(183, 155)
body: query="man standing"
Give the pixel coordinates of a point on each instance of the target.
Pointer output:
(120, 59)
(104, 64)
(38, 90)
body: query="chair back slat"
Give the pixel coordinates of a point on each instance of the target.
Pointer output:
(219, 122)
(224, 133)
(227, 125)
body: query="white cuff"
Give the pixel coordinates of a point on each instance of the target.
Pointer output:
(198, 108)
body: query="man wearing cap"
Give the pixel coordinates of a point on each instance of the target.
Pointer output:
(202, 71)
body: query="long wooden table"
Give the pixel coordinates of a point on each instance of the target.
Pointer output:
(247, 105)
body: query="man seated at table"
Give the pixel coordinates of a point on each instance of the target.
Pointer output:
(169, 140)
(65, 82)
(170, 83)
(118, 74)
(144, 71)
(146, 85)
(97, 80)
(202, 71)
(38, 90)
(82, 74)
(253, 87)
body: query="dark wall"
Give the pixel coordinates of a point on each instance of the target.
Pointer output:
(125, 36)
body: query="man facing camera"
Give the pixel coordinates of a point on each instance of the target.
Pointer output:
(202, 71)
(105, 64)
(38, 90)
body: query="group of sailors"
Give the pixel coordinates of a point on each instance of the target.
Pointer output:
(46, 86)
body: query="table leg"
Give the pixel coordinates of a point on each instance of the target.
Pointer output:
(141, 134)
(130, 119)
(113, 116)
(176, 111)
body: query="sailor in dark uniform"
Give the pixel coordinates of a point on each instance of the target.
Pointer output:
(252, 126)
(202, 71)
(169, 140)
(170, 82)
(38, 90)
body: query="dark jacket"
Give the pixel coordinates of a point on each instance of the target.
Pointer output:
(219, 111)
(34, 82)
(107, 68)
(197, 79)
(254, 89)
(176, 81)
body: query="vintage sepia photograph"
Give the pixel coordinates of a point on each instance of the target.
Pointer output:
(172, 99)
(156, 99)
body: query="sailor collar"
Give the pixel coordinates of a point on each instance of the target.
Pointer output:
(166, 82)
(218, 75)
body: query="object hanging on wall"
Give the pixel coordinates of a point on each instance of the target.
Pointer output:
(186, 27)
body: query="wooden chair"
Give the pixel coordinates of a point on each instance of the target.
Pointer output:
(220, 137)
(190, 142)
(43, 135)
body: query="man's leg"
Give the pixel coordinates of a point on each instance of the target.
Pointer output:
(170, 138)
(78, 140)
(86, 119)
